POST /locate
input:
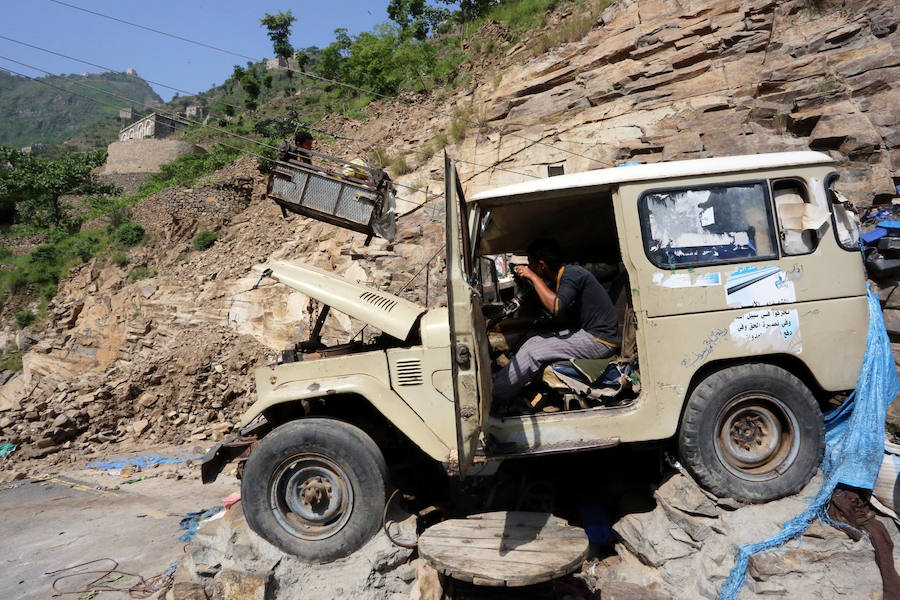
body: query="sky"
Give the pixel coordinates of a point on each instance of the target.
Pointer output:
(227, 24)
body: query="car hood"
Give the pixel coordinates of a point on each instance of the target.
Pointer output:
(391, 314)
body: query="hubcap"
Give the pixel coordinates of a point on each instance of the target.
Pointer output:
(311, 496)
(756, 436)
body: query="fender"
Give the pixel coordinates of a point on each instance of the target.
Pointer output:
(382, 398)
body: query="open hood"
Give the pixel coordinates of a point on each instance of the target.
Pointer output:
(391, 314)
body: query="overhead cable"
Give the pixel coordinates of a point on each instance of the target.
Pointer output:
(333, 81)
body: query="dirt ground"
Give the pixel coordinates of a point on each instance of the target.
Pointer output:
(60, 520)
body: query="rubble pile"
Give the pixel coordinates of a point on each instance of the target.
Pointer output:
(162, 349)
(227, 561)
(685, 547)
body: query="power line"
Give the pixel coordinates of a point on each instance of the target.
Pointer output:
(108, 69)
(304, 124)
(265, 158)
(171, 35)
(329, 80)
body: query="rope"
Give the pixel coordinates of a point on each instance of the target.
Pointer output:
(144, 588)
(384, 524)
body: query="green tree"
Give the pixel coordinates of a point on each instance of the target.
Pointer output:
(30, 186)
(332, 57)
(415, 17)
(302, 60)
(469, 10)
(279, 27)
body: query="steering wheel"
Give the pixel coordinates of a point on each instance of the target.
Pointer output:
(525, 292)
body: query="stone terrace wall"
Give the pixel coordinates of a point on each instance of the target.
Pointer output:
(144, 156)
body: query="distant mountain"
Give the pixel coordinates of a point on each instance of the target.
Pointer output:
(31, 112)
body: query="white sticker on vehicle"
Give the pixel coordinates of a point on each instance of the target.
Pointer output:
(768, 329)
(759, 286)
(684, 280)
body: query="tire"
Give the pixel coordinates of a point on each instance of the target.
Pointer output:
(752, 432)
(315, 488)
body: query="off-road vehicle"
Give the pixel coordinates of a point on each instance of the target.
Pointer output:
(742, 298)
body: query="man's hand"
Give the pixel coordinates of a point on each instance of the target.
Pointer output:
(525, 272)
(545, 294)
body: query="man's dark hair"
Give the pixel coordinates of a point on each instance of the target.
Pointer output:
(301, 136)
(546, 250)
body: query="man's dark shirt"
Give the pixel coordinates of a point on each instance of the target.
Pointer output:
(580, 296)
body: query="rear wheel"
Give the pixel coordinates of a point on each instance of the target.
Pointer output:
(752, 432)
(315, 488)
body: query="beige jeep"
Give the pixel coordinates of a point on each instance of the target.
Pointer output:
(742, 295)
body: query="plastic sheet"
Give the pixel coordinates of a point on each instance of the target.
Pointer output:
(191, 521)
(854, 443)
(144, 461)
(6, 449)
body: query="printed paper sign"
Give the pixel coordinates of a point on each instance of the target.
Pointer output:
(769, 329)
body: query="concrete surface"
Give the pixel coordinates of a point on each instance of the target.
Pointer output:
(63, 521)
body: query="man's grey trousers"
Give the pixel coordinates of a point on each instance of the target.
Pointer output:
(540, 350)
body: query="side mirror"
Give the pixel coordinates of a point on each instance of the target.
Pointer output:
(487, 276)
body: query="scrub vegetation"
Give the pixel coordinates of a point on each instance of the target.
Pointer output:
(421, 48)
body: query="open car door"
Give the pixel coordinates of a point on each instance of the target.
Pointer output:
(468, 338)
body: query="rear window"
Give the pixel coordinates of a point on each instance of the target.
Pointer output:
(708, 225)
(846, 221)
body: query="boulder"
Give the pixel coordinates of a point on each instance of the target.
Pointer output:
(231, 562)
(685, 548)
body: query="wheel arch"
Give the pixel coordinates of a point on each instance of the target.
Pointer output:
(790, 363)
(335, 393)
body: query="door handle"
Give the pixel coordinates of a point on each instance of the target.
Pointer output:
(463, 355)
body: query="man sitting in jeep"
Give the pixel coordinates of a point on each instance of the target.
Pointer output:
(568, 291)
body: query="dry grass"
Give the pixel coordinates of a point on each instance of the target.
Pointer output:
(399, 166)
(378, 157)
(572, 29)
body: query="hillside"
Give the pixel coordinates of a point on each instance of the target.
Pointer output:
(31, 112)
(715, 80)
(160, 346)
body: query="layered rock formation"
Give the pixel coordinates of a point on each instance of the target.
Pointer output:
(659, 80)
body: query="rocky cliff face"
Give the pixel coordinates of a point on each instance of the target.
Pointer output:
(657, 80)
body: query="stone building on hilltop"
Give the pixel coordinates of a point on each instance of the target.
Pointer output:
(154, 126)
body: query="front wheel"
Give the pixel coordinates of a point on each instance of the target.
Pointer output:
(753, 433)
(315, 488)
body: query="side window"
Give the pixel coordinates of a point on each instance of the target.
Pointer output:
(846, 221)
(708, 225)
(801, 223)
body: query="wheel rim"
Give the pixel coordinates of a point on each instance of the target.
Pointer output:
(757, 436)
(311, 496)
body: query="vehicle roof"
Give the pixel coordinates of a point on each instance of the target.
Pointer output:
(603, 178)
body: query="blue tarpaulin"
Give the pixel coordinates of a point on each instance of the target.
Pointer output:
(144, 461)
(854, 443)
(191, 522)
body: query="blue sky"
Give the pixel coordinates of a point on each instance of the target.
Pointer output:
(224, 23)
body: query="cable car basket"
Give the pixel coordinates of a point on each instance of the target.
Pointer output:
(335, 191)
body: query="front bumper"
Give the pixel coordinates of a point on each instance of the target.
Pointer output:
(234, 448)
